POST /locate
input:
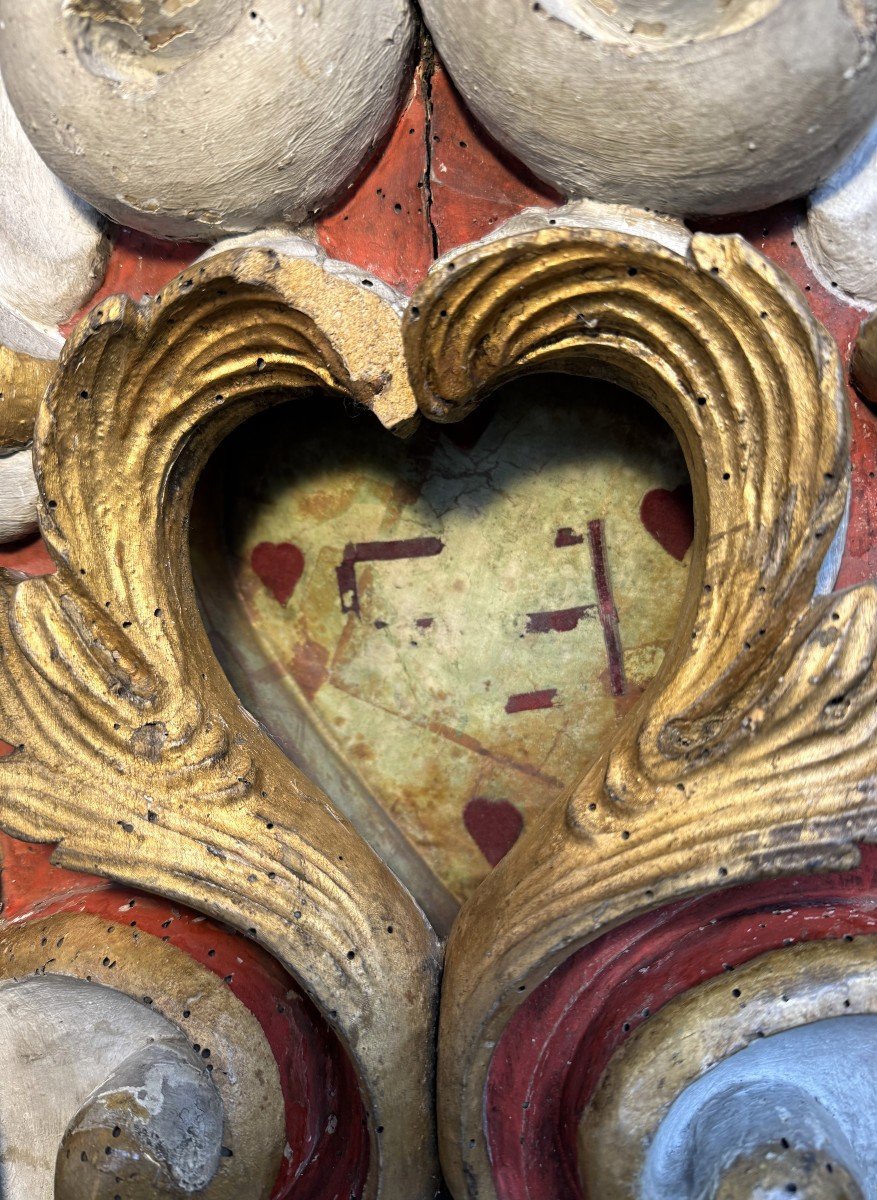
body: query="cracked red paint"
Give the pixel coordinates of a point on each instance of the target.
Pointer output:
(530, 701)
(559, 620)
(475, 184)
(359, 552)
(139, 265)
(382, 225)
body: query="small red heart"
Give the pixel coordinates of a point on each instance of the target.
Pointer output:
(494, 826)
(669, 518)
(279, 566)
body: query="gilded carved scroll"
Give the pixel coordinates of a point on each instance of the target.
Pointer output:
(751, 752)
(749, 756)
(132, 751)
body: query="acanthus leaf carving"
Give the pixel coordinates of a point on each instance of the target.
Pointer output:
(132, 751)
(750, 753)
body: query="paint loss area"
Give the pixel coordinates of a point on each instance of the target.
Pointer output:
(464, 616)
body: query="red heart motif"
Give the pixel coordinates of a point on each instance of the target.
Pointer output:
(669, 518)
(279, 566)
(494, 826)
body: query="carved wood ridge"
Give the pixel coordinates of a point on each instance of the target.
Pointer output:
(133, 752)
(749, 755)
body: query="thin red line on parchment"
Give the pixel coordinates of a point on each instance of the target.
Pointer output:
(607, 609)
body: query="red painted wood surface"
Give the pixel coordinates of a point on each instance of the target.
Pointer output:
(29, 556)
(475, 184)
(384, 225)
(138, 266)
(327, 1144)
(439, 182)
(555, 1049)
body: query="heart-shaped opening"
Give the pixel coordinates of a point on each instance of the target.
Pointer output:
(442, 631)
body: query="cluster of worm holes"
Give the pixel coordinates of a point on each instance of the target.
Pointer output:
(625, 834)
(109, 964)
(736, 992)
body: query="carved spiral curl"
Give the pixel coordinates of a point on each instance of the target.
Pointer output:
(782, 1121)
(191, 1098)
(751, 753)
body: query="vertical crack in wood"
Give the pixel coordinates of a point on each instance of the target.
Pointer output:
(428, 63)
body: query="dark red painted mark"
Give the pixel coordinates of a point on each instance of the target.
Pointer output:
(424, 622)
(357, 552)
(528, 701)
(608, 611)
(559, 620)
(568, 537)
(669, 518)
(310, 666)
(279, 565)
(493, 825)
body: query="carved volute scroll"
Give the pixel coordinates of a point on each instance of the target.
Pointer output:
(212, 1121)
(751, 754)
(271, 106)
(805, 994)
(132, 751)
(708, 104)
